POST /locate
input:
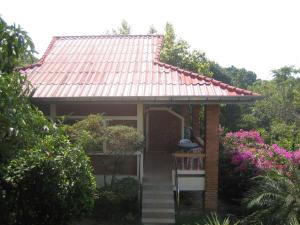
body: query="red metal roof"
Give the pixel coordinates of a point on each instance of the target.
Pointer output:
(113, 66)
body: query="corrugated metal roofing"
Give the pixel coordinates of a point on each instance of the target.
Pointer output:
(112, 66)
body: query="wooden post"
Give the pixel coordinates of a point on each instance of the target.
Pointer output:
(196, 120)
(140, 118)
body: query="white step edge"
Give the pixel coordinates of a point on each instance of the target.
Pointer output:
(157, 220)
(150, 200)
(158, 210)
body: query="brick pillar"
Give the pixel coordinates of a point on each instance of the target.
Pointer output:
(212, 157)
(196, 120)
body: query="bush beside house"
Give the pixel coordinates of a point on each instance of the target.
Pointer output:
(264, 178)
(43, 178)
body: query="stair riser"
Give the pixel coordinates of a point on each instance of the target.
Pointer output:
(157, 188)
(158, 205)
(147, 200)
(158, 215)
(158, 221)
(157, 196)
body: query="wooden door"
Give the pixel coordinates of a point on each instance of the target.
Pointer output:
(164, 131)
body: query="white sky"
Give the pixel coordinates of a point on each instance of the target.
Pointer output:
(259, 35)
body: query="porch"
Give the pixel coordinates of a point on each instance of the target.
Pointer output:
(163, 125)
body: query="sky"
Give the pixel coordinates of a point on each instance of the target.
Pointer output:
(258, 35)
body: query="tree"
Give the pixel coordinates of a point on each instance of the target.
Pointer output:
(152, 30)
(43, 178)
(178, 53)
(240, 77)
(284, 73)
(277, 112)
(17, 47)
(275, 199)
(124, 29)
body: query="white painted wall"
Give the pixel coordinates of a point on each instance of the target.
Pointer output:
(195, 183)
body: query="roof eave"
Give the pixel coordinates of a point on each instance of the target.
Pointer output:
(158, 99)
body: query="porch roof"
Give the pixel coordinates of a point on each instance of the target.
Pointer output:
(113, 67)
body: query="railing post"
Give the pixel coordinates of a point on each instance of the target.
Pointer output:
(176, 181)
(139, 157)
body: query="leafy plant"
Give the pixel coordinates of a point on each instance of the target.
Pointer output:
(17, 47)
(89, 133)
(121, 142)
(43, 178)
(275, 199)
(51, 183)
(118, 202)
(213, 219)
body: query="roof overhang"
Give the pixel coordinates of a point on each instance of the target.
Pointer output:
(156, 99)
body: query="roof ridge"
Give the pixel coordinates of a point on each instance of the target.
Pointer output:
(206, 78)
(108, 36)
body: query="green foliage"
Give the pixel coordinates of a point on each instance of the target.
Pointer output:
(118, 202)
(233, 184)
(275, 199)
(202, 219)
(178, 53)
(89, 133)
(284, 73)
(152, 30)
(277, 113)
(16, 49)
(123, 139)
(52, 183)
(21, 123)
(240, 77)
(213, 219)
(124, 29)
(43, 178)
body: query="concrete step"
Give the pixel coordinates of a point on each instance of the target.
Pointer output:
(158, 210)
(158, 186)
(150, 200)
(158, 195)
(160, 214)
(161, 205)
(157, 178)
(158, 221)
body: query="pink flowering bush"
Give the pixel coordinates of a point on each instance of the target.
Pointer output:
(248, 148)
(244, 155)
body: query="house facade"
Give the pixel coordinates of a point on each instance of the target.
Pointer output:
(122, 78)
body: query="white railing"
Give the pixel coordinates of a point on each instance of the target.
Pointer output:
(188, 172)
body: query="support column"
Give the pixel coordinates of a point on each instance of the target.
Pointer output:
(140, 118)
(212, 157)
(196, 120)
(52, 111)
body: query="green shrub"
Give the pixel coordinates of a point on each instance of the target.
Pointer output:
(52, 183)
(89, 133)
(118, 202)
(123, 139)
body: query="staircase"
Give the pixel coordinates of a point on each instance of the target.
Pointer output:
(158, 198)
